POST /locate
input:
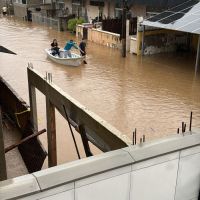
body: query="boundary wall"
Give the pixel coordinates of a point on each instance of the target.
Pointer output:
(167, 169)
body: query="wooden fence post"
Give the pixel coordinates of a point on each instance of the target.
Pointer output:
(51, 133)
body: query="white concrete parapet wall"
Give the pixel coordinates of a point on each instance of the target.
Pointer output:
(104, 38)
(98, 36)
(166, 169)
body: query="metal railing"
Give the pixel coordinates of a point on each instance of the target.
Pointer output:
(46, 21)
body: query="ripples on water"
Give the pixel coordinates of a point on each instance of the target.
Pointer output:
(153, 94)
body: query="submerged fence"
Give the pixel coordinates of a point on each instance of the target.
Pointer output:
(46, 21)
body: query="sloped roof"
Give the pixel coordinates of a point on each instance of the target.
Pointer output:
(184, 17)
(158, 3)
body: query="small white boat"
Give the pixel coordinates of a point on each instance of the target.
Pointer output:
(64, 59)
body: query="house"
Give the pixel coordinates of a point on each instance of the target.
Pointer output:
(91, 9)
(23, 8)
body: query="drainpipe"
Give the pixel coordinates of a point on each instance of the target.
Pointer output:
(198, 56)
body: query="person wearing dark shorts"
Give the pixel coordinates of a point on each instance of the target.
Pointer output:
(82, 47)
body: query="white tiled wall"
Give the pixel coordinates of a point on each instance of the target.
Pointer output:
(68, 195)
(156, 182)
(116, 188)
(61, 192)
(188, 183)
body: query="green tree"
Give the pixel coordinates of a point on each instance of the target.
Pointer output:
(71, 25)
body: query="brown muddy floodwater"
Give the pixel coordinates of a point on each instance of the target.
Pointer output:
(153, 94)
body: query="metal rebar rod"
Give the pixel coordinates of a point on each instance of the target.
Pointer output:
(190, 127)
(144, 138)
(182, 127)
(72, 133)
(133, 138)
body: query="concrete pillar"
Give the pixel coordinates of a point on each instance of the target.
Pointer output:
(127, 35)
(3, 174)
(198, 56)
(143, 37)
(51, 133)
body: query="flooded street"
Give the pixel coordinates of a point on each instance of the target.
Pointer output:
(153, 94)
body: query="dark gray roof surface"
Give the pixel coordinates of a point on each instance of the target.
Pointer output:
(183, 17)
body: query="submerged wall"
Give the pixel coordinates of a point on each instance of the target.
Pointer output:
(167, 169)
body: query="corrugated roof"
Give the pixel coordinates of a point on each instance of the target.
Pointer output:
(184, 17)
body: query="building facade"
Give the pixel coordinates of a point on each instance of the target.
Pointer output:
(91, 9)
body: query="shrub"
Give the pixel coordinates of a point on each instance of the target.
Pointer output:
(71, 25)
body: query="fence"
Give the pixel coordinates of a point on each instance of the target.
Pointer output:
(115, 25)
(112, 25)
(47, 21)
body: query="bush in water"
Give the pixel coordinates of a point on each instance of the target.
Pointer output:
(71, 25)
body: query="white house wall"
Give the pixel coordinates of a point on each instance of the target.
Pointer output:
(108, 9)
(93, 11)
(20, 10)
(138, 10)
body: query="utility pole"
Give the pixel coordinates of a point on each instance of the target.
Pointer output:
(124, 28)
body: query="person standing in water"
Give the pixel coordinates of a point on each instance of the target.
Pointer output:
(82, 48)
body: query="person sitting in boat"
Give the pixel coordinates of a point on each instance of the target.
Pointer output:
(68, 47)
(55, 48)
